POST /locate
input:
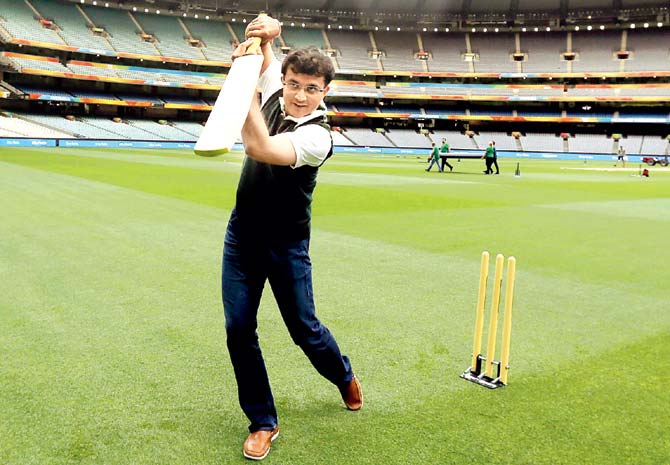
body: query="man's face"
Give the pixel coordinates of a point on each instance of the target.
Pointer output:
(302, 93)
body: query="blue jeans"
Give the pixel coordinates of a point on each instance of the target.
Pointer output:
(247, 264)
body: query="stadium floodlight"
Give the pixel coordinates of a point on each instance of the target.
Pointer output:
(589, 27)
(474, 29)
(134, 8)
(523, 29)
(646, 25)
(207, 17)
(397, 29)
(106, 5)
(632, 26)
(485, 29)
(446, 29)
(576, 28)
(424, 29)
(536, 29)
(659, 24)
(158, 12)
(602, 27)
(95, 3)
(496, 29)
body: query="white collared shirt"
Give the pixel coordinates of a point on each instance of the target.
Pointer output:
(312, 142)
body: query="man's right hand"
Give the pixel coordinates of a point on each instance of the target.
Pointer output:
(265, 27)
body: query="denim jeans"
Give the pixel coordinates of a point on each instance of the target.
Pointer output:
(247, 264)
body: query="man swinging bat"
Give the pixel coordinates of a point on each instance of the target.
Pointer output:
(286, 140)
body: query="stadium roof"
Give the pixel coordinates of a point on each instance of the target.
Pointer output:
(413, 11)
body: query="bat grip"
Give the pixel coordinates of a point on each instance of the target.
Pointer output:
(251, 50)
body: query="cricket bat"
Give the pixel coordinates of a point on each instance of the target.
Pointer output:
(224, 124)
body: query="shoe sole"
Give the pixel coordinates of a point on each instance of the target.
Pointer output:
(251, 457)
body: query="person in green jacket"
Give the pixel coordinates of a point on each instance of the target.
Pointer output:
(444, 150)
(434, 158)
(489, 155)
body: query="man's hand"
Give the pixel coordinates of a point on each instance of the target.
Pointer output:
(241, 49)
(264, 27)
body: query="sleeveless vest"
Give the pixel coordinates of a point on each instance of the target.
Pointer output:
(274, 202)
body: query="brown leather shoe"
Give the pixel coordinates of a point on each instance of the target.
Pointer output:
(352, 395)
(257, 446)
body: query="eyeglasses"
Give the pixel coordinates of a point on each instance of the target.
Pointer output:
(309, 89)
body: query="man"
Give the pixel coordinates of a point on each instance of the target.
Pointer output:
(495, 158)
(621, 155)
(286, 140)
(444, 150)
(434, 157)
(489, 154)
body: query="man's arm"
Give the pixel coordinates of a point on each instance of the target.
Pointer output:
(260, 145)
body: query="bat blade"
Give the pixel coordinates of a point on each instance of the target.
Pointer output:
(230, 110)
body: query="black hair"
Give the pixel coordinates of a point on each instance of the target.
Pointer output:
(311, 61)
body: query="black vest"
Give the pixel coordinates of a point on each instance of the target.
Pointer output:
(274, 202)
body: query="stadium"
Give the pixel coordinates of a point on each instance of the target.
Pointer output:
(113, 343)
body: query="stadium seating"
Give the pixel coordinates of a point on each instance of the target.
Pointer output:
(73, 27)
(170, 35)
(455, 139)
(18, 126)
(215, 37)
(595, 51)
(353, 47)
(123, 33)
(654, 145)
(18, 20)
(446, 51)
(649, 50)
(542, 142)
(189, 127)
(399, 49)
(160, 131)
(368, 138)
(339, 139)
(408, 138)
(543, 52)
(297, 37)
(495, 53)
(590, 143)
(503, 140)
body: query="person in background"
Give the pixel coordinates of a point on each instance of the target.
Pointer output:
(434, 158)
(495, 158)
(444, 150)
(286, 139)
(621, 155)
(488, 158)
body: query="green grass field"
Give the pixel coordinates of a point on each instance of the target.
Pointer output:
(112, 344)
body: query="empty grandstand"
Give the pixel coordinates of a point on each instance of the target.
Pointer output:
(86, 67)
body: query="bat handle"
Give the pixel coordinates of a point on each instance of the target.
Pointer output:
(251, 50)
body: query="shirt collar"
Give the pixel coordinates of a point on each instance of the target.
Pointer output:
(320, 111)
